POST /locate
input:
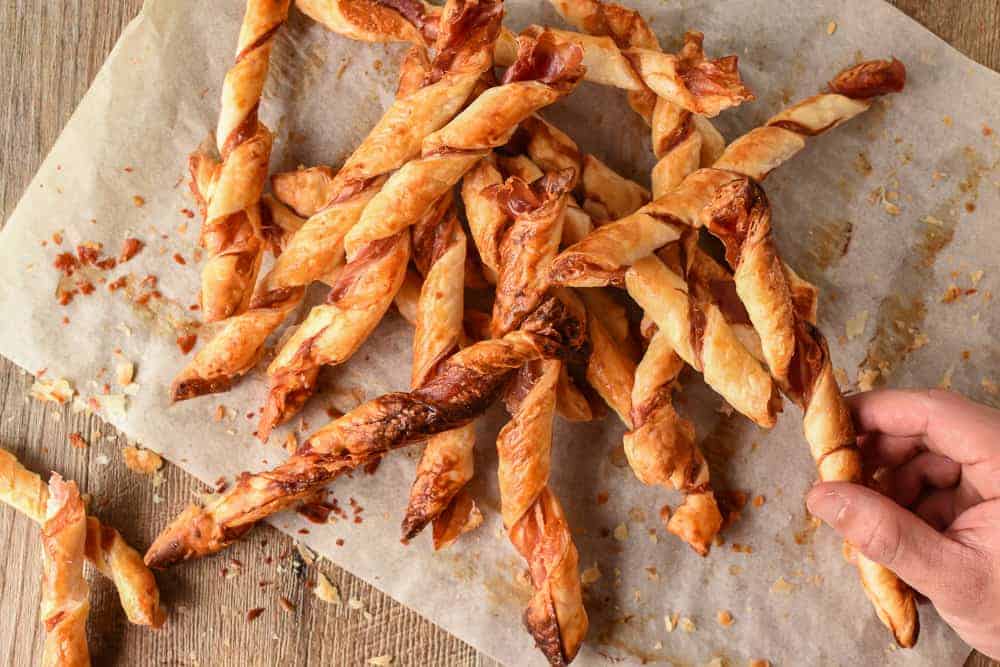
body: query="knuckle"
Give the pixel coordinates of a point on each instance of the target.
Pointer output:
(882, 542)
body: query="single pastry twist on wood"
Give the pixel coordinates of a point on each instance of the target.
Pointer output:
(462, 389)
(446, 465)
(231, 232)
(544, 72)
(428, 97)
(65, 592)
(701, 86)
(105, 547)
(533, 517)
(797, 354)
(601, 258)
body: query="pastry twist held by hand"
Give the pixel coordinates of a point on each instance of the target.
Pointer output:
(428, 97)
(601, 258)
(533, 517)
(105, 547)
(65, 603)
(797, 354)
(462, 389)
(231, 231)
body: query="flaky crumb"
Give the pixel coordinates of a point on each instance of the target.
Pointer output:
(291, 442)
(724, 618)
(990, 387)
(931, 220)
(760, 663)
(56, 390)
(670, 621)
(759, 501)
(945, 381)
(380, 661)
(355, 604)
(590, 575)
(124, 371)
(138, 201)
(840, 375)
(143, 461)
(76, 440)
(308, 555)
(621, 532)
(687, 625)
(326, 591)
(831, 27)
(975, 277)
(782, 586)
(856, 324)
(867, 378)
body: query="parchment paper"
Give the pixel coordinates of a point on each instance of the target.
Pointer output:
(850, 214)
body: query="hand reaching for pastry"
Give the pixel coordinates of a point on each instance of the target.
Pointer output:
(938, 527)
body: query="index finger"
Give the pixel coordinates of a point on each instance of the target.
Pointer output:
(949, 424)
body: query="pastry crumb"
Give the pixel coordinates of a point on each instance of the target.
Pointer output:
(782, 586)
(621, 532)
(976, 276)
(670, 621)
(139, 201)
(724, 618)
(856, 324)
(760, 663)
(687, 625)
(867, 378)
(143, 461)
(381, 660)
(56, 390)
(76, 441)
(326, 591)
(990, 387)
(831, 27)
(945, 381)
(254, 614)
(590, 575)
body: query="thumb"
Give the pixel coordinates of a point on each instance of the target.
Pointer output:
(888, 534)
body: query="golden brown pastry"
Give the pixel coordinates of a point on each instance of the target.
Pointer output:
(231, 232)
(308, 190)
(65, 593)
(105, 547)
(607, 195)
(462, 389)
(446, 465)
(799, 359)
(533, 517)
(601, 258)
(317, 247)
(544, 72)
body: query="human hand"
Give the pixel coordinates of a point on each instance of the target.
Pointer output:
(939, 527)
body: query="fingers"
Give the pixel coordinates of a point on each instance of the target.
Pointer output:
(880, 449)
(949, 424)
(888, 534)
(925, 469)
(938, 509)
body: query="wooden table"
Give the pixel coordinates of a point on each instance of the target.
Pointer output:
(53, 50)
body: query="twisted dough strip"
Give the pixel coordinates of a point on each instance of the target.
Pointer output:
(797, 354)
(544, 72)
(699, 85)
(446, 465)
(601, 258)
(318, 246)
(105, 547)
(231, 231)
(462, 389)
(534, 519)
(64, 591)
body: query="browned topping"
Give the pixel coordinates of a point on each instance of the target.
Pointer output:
(870, 79)
(546, 60)
(738, 211)
(357, 267)
(188, 213)
(76, 440)
(186, 342)
(130, 249)
(416, 14)
(468, 31)
(66, 263)
(254, 613)
(88, 253)
(807, 362)
(698, 323)
(703, 77)
(117, 283)
(179, 258)
(86, 287)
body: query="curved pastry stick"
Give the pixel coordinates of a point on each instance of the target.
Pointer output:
(446, 465)
(105, 547)
(231, 232)
(607, 195)
(601, 258)
(318, 246)
(544, 72)
(64, 591)
(307, 191)
(463, 388)
(534, 519)
(797, 354)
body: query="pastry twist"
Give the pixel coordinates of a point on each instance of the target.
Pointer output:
(446, 465)
(231, 232)
(544, 72)
(65, 592)
(797, 354)
(699, 85)
(105, 547)
(462, 389)
(428, 97)
(601, 258)
(534, 519)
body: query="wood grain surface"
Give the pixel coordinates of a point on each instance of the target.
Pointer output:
(50, 53)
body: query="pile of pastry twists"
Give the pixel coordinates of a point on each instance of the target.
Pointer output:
(601, 292)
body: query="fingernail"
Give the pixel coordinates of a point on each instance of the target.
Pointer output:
(826, 505)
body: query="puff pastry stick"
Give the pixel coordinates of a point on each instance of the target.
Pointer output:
(533, 517)
(317, 247)
(105, 547)
(231, 232)
(799, 359)
(446, 465)
(544, 72)
(601, 258)
(607, 195)
(65, 592)
(461, 390)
